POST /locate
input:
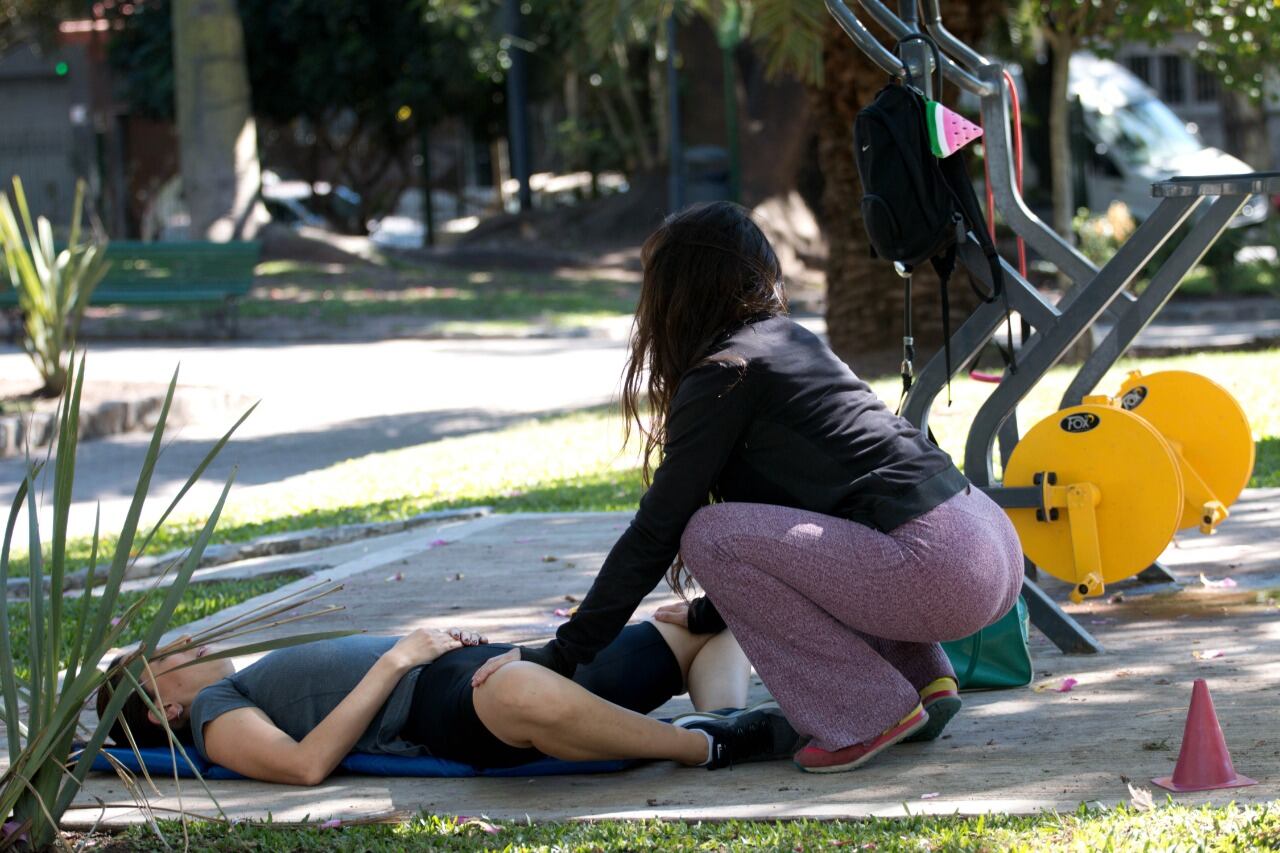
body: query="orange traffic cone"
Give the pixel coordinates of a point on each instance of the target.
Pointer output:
(1204, 762)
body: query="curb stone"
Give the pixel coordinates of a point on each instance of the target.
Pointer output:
(264, 546)
(29, 431)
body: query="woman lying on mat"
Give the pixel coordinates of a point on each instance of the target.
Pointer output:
(296, 713)
(836, 540)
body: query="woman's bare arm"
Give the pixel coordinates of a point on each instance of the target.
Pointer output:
(246, 741)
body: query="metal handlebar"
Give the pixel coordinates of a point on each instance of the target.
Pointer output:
(867, 43)
(889, 62)
(948, 42)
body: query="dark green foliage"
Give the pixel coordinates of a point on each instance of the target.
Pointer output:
(315, 59)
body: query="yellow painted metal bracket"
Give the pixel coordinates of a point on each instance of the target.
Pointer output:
(1080, 501)
(1198, 496)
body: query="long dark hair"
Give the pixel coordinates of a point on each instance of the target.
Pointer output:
(707, 270)
(134, 713)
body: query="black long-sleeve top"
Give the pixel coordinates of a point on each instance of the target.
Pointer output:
(776, 419)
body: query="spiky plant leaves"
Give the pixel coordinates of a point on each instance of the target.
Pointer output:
(42, 714)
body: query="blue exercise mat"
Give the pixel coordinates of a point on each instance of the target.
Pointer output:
(159, 763)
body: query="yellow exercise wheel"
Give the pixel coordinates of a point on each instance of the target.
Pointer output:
(1136, 477)
(1207, 425)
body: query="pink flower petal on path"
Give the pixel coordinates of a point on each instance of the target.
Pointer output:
(437, 543)
(1066, 685)
(398, 576)
(562, 612)
(1208, 654)
(331, 824)
(1225, 583)
(929, 796)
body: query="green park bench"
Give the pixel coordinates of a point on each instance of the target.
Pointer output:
(217, 274)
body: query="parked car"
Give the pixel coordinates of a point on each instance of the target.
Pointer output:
(1135, 139)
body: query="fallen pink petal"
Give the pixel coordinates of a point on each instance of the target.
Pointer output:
(1225, 583)
(1066, 685)
(929, 796)
(561, 611)
(1208, 654)
(398, 576)
(331, 824)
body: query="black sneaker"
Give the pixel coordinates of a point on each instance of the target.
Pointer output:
(760, 735)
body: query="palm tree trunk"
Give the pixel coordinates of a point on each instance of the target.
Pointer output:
(218, 141)
(862, 292)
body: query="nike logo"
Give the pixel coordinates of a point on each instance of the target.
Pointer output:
(866, 148)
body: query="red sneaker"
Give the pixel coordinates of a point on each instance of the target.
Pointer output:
(941, 699)
(814, 760)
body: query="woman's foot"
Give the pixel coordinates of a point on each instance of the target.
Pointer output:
(941, 699)
(814, 760)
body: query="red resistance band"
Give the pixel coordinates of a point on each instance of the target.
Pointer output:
(991, 202)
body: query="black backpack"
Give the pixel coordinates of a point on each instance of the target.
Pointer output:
(915, 206)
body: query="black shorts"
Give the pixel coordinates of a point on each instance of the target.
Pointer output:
(638, 671)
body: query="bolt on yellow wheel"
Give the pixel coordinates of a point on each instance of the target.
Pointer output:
(1206, 423)
(1132, 467)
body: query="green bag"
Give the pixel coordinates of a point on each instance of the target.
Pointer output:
(995, 657)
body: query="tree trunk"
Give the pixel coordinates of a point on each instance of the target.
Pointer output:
(218, 141)
(1061, 48)
(864, 295)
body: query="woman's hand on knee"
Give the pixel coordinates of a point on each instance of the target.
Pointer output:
(673, 614)
(492, 665)
(468, 638)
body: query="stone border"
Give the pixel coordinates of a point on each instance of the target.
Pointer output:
(24, 432)
(264, 546)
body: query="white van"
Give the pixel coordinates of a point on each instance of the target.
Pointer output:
(1136, 140)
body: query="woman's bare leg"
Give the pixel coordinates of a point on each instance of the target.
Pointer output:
(684, 644)
(526, 705)
(720, 674)
(715, 670)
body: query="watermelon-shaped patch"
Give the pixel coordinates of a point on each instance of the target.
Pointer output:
(948, 130)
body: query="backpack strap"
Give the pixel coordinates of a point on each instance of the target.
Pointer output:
(908, 342)
(945, 265)
(937, 59)
(957, 180)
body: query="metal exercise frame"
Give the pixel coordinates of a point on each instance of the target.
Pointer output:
(1056, 327)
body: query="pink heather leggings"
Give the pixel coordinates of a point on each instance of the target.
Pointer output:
(842, 622)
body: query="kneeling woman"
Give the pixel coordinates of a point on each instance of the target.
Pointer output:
(295, 714)
(839, 543)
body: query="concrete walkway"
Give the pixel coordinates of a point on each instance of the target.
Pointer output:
(1016, 751)
(321, 404)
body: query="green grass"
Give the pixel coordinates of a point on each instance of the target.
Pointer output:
(1222, 828)
(1266, 471)
(502, 297)
(200, 599)
(575, 462)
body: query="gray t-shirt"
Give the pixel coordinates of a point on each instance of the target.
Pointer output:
(298, 687)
